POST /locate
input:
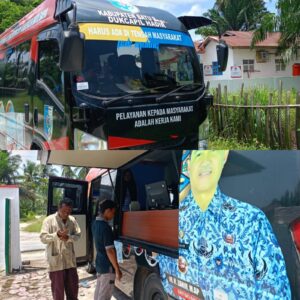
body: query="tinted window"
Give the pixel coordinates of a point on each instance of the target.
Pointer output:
(114, 70)
(2, 66)
(23, 65)
(270, 180)
(73, 192)
(49, 71)
(10, 70)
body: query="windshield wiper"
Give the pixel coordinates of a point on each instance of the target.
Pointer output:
(107, 103)
(158, 100)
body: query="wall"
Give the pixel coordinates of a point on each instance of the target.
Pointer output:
(2, 235)
(236, 57)
(210, 56)
(11, 192)
(262, 70)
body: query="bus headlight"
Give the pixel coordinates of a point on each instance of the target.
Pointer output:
(85, 141)
(203, 135)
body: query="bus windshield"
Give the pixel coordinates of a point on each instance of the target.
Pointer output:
(116, 69)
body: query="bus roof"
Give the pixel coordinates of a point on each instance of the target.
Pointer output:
(112, 159)
(89, 11)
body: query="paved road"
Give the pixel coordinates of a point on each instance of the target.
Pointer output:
(30, 241)
(33, 282)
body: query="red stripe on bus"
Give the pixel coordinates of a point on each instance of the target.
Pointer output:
(58, 144)
(115, 142)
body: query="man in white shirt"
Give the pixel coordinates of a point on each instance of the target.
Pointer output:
(59, 232)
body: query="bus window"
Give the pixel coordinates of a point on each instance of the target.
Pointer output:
(10, 68)
(2, 66)
(68, 191)
(106, 190)
(23, 64)
(49, 71)
(115, 69)
(176, 63)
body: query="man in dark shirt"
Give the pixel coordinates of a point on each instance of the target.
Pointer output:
(106, 260)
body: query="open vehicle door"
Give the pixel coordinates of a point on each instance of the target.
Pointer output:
(77, 191)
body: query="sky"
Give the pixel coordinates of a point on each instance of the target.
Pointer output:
(188, 7)
(26, 155)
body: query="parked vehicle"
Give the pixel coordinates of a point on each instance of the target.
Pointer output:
(268, 180)
(102, 75)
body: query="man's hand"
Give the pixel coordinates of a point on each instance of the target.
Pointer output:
(118, 274)
(63, 234)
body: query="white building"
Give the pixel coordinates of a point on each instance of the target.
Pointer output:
(11, 193)
(245, 62)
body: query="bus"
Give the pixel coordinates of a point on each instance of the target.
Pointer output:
(149, 230)
(96, 75)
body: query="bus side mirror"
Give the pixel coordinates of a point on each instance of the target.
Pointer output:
(72, 50)
(222, 54)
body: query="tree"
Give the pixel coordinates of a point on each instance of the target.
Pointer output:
(74, 172)
(34, 188)
(9, 165)
(13, 10)
(287, 21)
(234, 15)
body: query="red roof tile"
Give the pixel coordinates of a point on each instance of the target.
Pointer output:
(243, 39)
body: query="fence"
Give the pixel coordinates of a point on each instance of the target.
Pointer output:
(274, 122)
(271, 83)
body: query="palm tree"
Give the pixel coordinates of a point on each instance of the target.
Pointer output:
(287, 21)
(9, 165)
(74, 172)
(30, 183)
(34, 186)
(235, 15)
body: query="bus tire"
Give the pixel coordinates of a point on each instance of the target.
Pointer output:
(153, 289)
(138, 284)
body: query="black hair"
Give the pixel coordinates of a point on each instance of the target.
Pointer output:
(105, 204)
(66, 202)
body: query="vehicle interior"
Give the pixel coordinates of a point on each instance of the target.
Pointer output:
(151, 198)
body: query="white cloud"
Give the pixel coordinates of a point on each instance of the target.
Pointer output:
(195, 10)
(177, 7)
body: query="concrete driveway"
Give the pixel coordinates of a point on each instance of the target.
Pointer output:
(33, 282)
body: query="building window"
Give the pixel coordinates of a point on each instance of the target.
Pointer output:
(248, 65)
(280, 65)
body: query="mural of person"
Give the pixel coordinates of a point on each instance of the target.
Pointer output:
(227, 248)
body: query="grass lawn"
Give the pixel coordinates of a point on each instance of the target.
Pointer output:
(35, 226)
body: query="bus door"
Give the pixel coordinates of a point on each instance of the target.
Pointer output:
(15, 98)
(102, 187)
(75, 190)
(49, 103)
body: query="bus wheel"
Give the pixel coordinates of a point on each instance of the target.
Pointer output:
(153, 289)
(90, 268)
(139, 279)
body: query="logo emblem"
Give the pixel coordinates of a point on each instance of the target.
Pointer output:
(121, 4)
(182, 264)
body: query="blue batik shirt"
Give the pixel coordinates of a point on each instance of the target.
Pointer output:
(230, 250)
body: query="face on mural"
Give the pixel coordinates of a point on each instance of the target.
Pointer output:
(205, 168)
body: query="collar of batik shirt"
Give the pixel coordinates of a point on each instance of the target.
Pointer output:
(189, 207)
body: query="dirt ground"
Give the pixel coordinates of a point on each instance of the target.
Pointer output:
(33, 282)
